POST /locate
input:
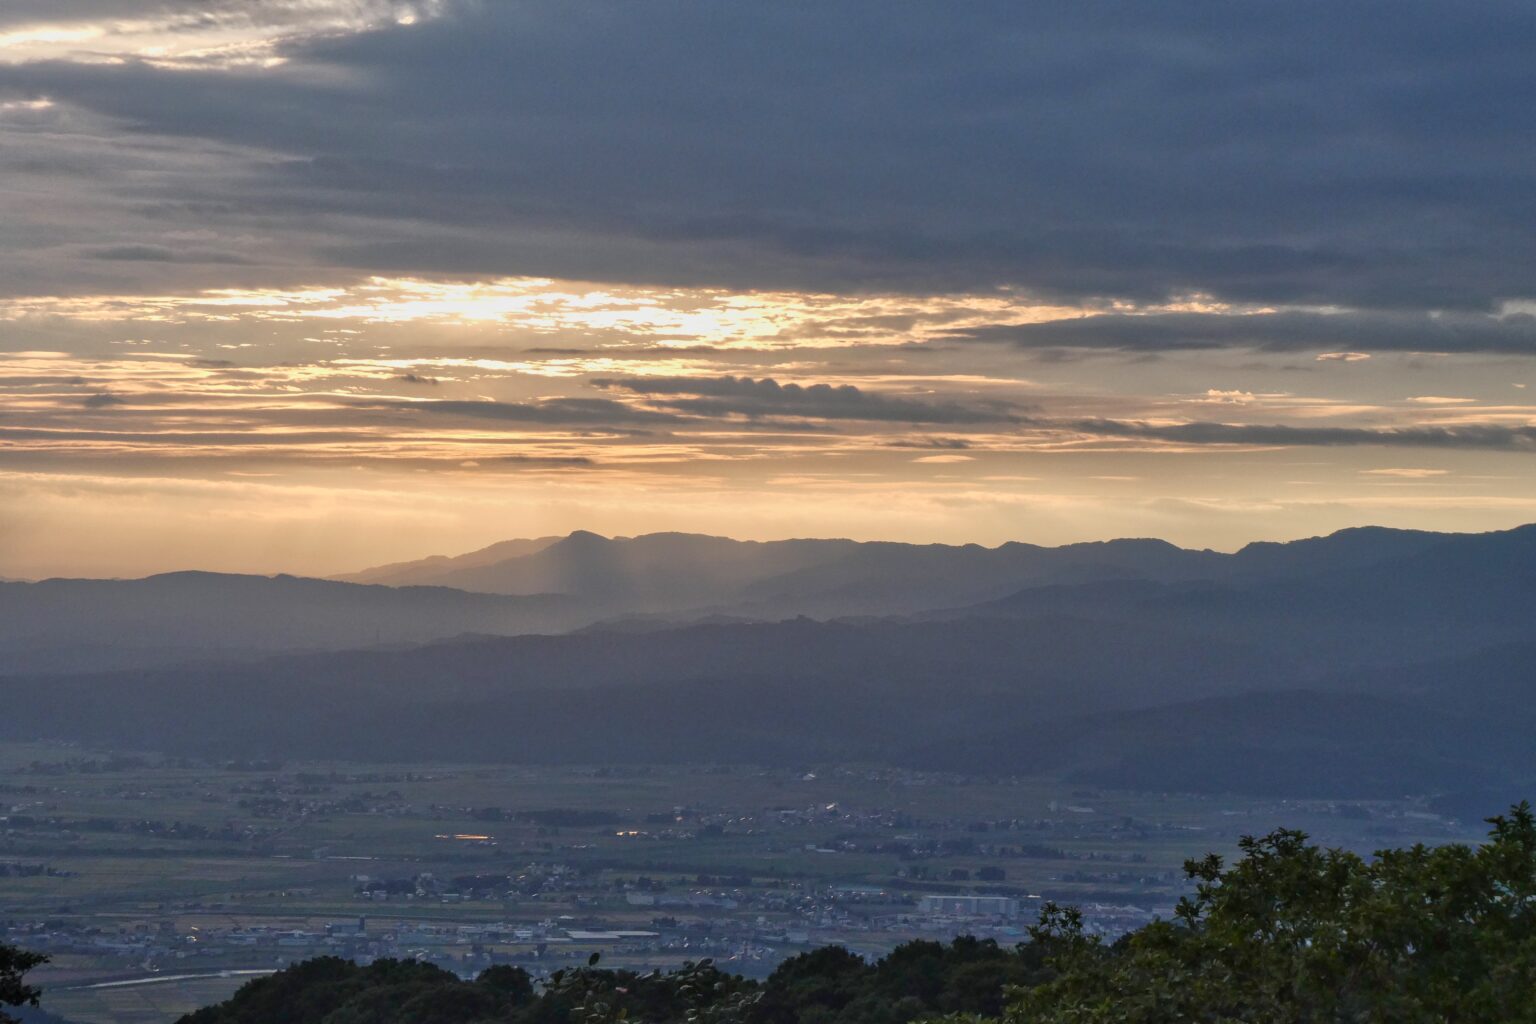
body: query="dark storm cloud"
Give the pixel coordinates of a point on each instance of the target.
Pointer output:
(1378, 155)
(1280, 332)
(743, 396)
(549, 412)
(1476, 436)
(150, 253)
(537, 460)
(158, 254)
(180, 440)
(932, 443)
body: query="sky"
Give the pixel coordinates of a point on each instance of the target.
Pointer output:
(309, 285)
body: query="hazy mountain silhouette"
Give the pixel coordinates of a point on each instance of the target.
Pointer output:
(1135, 707)
(1323, 603)
(672, 572)
(1454, 726)
(1370, 662)
(427, 571)
(75, 625)
(879, 578)
(1354, 548)
(1299, 743)
(655, 572)
(783, 689)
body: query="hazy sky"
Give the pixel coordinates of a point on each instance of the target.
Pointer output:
(307, 285)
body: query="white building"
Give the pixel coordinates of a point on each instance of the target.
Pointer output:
(970, 906)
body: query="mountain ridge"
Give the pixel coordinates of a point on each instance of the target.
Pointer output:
(1366, 662)
(1411, 674)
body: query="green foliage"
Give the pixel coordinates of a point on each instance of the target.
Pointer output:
(14, 990)
(827, 986)
(333, 991)
(513, 983)
(832, 986)
(1294, 933)
(330, 990)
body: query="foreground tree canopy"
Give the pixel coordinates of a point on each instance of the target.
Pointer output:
(827, 986)
(1295, 933)
(1290, 934)
(14, 990)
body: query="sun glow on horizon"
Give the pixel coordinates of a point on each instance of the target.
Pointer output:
(665, 317)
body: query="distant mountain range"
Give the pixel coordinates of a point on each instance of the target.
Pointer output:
(1370, 662)
(556, 584)
(670, 572)
(82, 625)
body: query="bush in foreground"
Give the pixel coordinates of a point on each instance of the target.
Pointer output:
(1294, 933)
(827, 986)
(14, 990)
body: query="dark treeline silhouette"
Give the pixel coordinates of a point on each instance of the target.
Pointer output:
(827, 986)
(15, 992)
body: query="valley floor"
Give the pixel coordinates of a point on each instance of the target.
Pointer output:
(125, 868)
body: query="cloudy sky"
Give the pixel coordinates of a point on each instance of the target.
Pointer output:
(306, 285)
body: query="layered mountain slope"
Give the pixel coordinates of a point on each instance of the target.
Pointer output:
(674, 572)
(428, 571)
(1367, 663)
(1308, 678)
(80, 625)
(780, 690)
(655, 572)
